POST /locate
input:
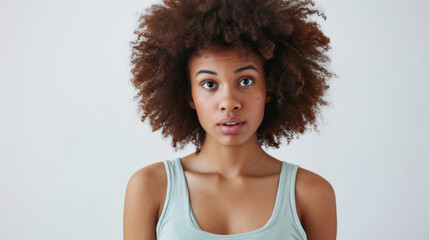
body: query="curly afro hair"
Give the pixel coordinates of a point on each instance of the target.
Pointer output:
(293, 47)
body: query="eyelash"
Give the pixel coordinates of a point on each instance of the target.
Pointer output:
(240, 81)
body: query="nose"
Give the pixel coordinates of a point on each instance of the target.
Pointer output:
(229, 100)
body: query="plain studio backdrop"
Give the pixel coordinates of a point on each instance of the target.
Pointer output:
(70, 135)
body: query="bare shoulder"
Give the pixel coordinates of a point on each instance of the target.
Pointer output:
(310, 184)
(316, 205)
(151, 182)
(152, 175)
(145, 190)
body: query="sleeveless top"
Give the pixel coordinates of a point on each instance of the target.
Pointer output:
(177, 221)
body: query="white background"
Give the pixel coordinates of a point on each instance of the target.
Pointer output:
(70, 136)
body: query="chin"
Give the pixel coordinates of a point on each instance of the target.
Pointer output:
(232, 141)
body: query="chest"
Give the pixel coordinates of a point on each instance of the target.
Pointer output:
(224, 206)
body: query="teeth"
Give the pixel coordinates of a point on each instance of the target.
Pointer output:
(233, 123)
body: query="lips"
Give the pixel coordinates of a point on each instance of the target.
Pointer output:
(231, 125)
(230, 120)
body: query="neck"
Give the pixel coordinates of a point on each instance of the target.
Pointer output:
(231, 161)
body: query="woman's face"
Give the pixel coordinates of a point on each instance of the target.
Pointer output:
(227, 88)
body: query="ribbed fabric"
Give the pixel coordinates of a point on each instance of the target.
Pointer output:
(177, 221)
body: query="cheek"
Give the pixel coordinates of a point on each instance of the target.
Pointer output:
(199, 105)
(260, 100)
(200, 102)
(202, 108)
(260, 105)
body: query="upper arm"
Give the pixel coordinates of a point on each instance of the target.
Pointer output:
(316, 200)
(142, 203)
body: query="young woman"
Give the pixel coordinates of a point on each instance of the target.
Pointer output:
(229, 76)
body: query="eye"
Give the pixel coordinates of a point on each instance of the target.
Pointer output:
(209, 84)
(247, 81)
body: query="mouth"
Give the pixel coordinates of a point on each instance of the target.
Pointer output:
(229, 121)
(231, 128)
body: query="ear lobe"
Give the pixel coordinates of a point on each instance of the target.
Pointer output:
(191, 103)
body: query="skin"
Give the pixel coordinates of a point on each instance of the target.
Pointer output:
(234, 165)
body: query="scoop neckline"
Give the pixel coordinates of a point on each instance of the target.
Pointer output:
(196, 228)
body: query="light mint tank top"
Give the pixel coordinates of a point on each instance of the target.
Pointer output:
(177, 221)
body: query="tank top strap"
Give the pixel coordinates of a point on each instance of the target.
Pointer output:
(288, 213)
(173, 212)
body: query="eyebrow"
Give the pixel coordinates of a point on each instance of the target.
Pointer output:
(235, 72)
(245, 68)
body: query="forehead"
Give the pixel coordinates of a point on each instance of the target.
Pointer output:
(223, 57)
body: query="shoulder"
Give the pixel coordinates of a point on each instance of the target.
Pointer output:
(148, 182)
(315, 202)
(151, 173)
(310, 184)
(144, 192)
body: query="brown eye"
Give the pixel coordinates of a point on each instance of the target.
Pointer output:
(246, 81)
(209, 84)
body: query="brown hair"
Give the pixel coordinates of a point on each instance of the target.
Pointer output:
(294, 49)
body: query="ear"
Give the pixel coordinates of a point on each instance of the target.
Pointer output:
(191, 102)
(268, 99)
